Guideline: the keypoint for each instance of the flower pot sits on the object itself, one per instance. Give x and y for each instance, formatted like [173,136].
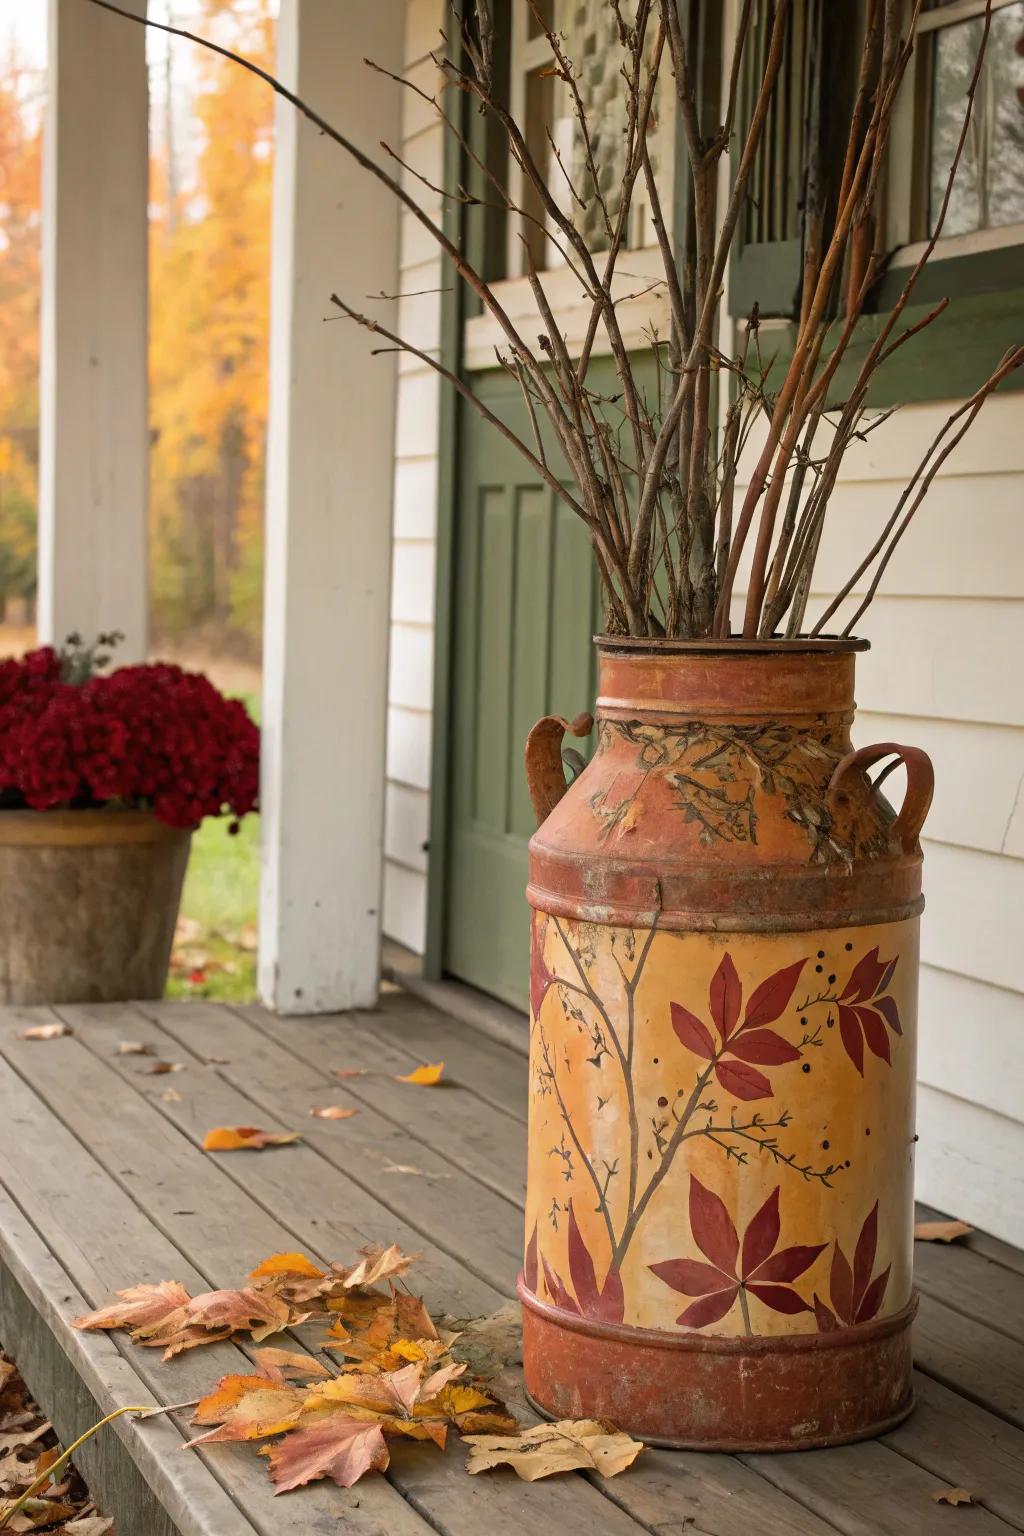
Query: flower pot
[88,903]
[723,996]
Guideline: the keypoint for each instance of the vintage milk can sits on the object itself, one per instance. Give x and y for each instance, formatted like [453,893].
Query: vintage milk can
[723,995]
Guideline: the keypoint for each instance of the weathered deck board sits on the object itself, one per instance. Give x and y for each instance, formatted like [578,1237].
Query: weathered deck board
[103,1182]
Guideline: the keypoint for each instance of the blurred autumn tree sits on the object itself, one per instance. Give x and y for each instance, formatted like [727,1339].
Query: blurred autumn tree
[20,163]
[210,255]
[210,186]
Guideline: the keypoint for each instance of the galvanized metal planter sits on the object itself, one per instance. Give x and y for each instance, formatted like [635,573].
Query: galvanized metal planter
[723,1002]
[88,904]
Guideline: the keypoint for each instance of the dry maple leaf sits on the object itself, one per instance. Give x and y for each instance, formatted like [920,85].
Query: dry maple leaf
[216,1315]
[90,1525]
[292,1276]
[412,1317]
[161,1068]
[952,1496]
[286,1264]
[592,1444]
[44,1032]
[37,1514]
[339,1448]
[940,1231]
[332,1112]
[386,1393]
[140,1306]
[427,1076]
[247,1408]
[217,1061]
[377,1263]
[245,1138]
[344,1072]
[285,1365]
[133,1048]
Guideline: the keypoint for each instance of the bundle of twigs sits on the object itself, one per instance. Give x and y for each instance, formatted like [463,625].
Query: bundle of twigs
[658,483]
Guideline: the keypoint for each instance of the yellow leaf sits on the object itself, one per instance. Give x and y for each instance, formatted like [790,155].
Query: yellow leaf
[940,1231]
[952,1496]
[462,1399]
[240,1138]
[425,1077]
[286,1264]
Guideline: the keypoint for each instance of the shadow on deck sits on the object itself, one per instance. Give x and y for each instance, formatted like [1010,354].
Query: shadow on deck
[103,1183]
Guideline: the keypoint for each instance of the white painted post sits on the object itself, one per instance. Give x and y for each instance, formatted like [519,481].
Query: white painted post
[94,446]
[328,537]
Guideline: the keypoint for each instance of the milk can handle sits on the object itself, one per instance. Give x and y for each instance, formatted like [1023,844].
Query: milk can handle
[545,775]
[920,784]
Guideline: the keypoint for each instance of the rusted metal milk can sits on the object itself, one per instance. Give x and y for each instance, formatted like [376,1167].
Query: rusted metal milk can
[722,1060]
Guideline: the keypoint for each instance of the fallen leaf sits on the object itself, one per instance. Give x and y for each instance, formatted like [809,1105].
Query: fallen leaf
[217,1061]
[344,1072]
[592,1444]
[133,1048]
[292,1276]
[488,1344]
[952,1495]
[171,1096]
[331,1112]
[90,1525]
[426,1076]
[377,1263]
[412,1317]
[247,1408]
[44,1032]
[37,1513]
[284,1365]
[241,1138]
[940,1231]
[140,1306]
[160,1068]
[339,1448]
[385,1393]
[286,1264]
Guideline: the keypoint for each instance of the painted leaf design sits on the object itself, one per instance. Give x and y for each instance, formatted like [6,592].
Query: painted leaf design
[864,1256]
[825,1319]
[765,1047]
[725,997]
[612,1305]
[607,1303]
[710,1309]
[853,1036]
[874,1032]
[742,1081]
[557,1289]
[889,1011]
[530,1263]
[779,1297]
[540,977]
[789,1263]
[712,1227]
[762,1234]
[690,1277]
[886,981]
[691,1033]
[865,977]
[873,1296]
[841,1286]
[770,1000]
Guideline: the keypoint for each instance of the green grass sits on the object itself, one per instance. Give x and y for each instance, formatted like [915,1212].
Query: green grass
[215,950]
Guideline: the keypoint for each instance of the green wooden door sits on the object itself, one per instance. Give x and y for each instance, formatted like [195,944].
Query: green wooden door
[525,609]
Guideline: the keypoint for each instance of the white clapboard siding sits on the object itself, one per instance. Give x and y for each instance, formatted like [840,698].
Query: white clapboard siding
[410,688]
[968,1032]
[969,1162]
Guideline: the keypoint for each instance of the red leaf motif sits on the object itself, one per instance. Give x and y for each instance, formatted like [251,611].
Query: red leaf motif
[853,1038]
[874,1032]
[771,998]
[540,977]
[825,1319]
[840,1286]
[762,1234]
[864,1257]
[790,1263]
[712,1227]
[691,1278]
[709,1309]
[691,1032]
[725,997]
[889,1011]
[864,977]
[559,1295]
[886,981]
[765,1047]
[612,1303]
[581,1268]
[530,1263]
[779,1297]
[873,1296]
[741,1081]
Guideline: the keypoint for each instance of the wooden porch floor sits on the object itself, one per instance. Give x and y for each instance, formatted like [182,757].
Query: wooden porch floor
[103,1183]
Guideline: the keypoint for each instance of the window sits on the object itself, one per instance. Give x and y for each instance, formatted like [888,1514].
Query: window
[544,105]
[986,208]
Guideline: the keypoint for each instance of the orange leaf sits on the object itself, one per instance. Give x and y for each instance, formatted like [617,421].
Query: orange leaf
[332,1112]
[240,1138]
[283,1365]
[140,1305]
[952,1496]
[377,1264]
[247,1408]
[342,1449]
[286,1264]
[427,1076]
[940,1231]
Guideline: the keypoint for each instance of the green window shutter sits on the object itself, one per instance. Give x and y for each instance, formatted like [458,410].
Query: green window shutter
[768,254]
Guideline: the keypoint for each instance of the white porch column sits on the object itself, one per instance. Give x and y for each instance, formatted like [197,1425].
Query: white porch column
[94,449]
[329,481]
